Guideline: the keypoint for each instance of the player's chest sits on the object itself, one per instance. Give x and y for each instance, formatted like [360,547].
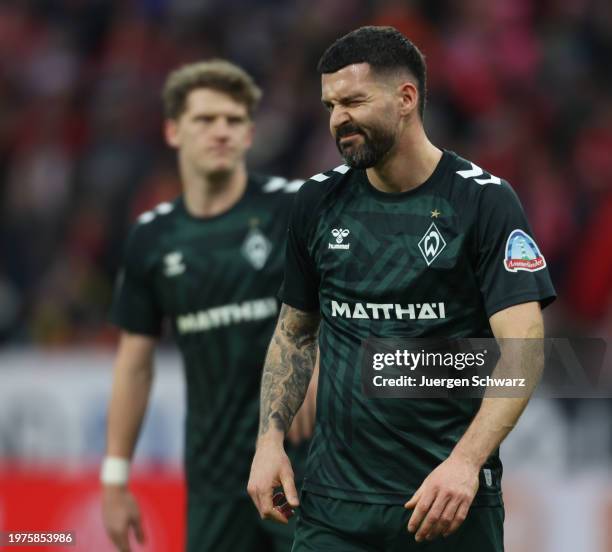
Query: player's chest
[422,237]
[208,265]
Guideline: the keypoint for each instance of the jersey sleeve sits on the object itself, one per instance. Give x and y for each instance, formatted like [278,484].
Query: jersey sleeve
[135,307]
[300,287]
[510,267]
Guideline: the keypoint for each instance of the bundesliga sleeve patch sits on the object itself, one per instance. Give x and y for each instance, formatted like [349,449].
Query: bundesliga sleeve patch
[522,253]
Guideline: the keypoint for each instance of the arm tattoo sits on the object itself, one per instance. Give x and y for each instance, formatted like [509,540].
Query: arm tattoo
[288,368]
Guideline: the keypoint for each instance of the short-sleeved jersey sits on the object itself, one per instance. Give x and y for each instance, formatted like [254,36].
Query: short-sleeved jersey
[215,279]
[436,261]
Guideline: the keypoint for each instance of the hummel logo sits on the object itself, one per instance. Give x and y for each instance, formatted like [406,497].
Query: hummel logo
[174,264]
[340,234]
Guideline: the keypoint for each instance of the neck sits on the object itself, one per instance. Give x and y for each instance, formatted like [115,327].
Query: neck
[212,194]
[408,165]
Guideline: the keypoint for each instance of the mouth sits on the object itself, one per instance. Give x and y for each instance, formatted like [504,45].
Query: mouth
[348,132]
[349,140]
[350,136]
[220,150]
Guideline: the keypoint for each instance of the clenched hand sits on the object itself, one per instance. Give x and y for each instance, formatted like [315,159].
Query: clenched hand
[271,468]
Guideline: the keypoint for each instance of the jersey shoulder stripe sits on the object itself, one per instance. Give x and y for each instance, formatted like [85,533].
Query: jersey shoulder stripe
[322,177]
[478,175]
[159,210]
[281,184]
[323,182]
[478,182]
[320,192]
[148,226]
[472,174]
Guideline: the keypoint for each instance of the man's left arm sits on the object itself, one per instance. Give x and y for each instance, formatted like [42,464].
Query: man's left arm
[443,500]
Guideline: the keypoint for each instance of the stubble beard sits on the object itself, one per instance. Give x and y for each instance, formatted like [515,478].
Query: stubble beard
[219,177]
[220,174]
[373,150]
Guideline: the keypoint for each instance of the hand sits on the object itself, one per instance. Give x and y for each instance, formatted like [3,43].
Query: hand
[271,468]
[120,513]
[443,500]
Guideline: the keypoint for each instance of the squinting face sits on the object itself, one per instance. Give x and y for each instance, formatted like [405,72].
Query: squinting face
[363,114]
[212,134]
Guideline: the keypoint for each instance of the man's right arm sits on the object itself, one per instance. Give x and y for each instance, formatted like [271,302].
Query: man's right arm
[302,427]
[287,371]
[132,378]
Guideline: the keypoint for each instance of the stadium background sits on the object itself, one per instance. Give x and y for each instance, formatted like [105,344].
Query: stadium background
[522,87]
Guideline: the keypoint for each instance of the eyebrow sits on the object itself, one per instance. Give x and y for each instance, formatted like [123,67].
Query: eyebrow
[345,99]
[202,114]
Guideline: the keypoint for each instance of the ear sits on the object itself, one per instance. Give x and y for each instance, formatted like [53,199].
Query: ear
[171,133]
[408,95]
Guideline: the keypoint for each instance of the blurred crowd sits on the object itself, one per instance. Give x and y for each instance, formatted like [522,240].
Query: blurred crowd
[522,87]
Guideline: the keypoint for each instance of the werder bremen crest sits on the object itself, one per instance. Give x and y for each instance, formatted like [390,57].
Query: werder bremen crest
[256,247]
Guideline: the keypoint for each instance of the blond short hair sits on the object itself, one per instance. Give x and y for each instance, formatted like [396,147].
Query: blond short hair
[217,74]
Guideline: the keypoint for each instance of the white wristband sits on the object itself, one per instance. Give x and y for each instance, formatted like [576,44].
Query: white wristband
[115,471]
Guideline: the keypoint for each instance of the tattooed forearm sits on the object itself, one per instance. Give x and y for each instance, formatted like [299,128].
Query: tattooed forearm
[289,364]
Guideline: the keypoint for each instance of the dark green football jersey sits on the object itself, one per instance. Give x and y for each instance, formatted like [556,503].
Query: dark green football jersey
[215,279]
[435,261]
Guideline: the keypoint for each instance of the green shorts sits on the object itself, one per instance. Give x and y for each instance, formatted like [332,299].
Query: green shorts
[328,524]
[232,526]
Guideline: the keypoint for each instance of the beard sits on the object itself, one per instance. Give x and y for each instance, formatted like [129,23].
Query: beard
[220,172]
[220,175]
[376,144]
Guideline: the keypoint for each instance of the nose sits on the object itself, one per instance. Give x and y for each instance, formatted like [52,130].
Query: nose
[221,128]
[338,117]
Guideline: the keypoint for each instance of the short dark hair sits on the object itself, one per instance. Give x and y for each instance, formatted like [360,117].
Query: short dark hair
[216,74]
[384,49]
